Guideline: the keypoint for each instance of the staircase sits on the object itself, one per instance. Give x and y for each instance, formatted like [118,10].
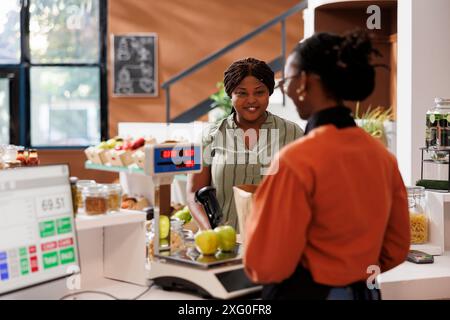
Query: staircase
[277,64]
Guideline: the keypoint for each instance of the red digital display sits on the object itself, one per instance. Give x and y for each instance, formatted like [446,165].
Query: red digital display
[167,154]
[189,153]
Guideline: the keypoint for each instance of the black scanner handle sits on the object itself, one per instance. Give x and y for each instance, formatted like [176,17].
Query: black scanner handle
[207,197]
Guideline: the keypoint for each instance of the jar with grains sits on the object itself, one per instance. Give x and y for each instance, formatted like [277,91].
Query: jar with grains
[79,198]
[417,215]
[95,200]
[114,191]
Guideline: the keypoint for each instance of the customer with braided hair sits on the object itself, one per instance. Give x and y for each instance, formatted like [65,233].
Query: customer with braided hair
[238,149]
[336,206]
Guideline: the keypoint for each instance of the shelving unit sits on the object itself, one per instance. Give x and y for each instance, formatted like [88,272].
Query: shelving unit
[103,167]
[85,222]
[436,162]
[132,169]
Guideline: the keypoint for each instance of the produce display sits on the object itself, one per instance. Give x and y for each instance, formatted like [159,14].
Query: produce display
[119,151]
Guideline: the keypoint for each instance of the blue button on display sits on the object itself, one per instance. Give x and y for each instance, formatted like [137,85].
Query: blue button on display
[4,276]
[3,256]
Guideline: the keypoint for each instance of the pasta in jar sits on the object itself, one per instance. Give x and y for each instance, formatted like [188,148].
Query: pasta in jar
[419,227]
[418,219]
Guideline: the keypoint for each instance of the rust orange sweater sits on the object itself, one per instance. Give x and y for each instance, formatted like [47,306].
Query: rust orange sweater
[336,203]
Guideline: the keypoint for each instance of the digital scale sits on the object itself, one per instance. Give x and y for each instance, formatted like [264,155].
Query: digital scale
[219,276]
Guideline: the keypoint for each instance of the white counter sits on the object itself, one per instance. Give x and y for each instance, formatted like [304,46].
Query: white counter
[126,291]
[418,281]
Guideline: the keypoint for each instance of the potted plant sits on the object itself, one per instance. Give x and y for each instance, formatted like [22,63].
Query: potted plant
[221,107]
[373,121]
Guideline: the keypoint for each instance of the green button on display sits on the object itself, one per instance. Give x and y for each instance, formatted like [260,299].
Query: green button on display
[50,259]
[24,267]
[64,225]
[67,255]
[23,252]
[47,229]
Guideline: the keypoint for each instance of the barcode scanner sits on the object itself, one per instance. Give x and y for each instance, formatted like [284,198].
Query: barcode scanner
[206,196]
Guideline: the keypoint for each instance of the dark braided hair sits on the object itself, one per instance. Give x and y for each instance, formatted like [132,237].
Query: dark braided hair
[342,62]
[240,69]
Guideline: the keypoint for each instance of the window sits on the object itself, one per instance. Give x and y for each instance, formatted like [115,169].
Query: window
[4,111]
[10,32]
[58,50]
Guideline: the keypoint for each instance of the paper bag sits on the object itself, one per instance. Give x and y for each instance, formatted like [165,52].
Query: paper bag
[243,196]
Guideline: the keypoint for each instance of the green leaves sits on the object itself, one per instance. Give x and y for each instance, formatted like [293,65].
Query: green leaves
[221,100]
[372,121]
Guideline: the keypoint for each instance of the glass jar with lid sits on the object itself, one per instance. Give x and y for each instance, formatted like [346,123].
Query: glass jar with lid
[437,134]
[177,241]
[73,189]
[150,240]
[79,198]
[418,217]
[95,199]
[10,153]
[114,191]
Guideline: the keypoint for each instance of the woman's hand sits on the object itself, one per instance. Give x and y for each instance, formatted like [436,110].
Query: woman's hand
[195,182]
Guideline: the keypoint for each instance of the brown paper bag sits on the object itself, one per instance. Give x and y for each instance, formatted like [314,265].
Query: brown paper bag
[243,196]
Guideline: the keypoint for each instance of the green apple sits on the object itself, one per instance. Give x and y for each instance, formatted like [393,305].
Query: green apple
[111,143]
[164,226]
[183,215]
[226,236]
[103,145]
[206,242]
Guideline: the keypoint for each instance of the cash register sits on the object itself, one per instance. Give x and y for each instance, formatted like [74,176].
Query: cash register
[38,245]
[219,276]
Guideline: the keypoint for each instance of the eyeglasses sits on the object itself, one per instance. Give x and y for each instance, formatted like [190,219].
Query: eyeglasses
[283,84]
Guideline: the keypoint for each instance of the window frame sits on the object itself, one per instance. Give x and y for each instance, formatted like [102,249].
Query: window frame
[20,110]
[12,74]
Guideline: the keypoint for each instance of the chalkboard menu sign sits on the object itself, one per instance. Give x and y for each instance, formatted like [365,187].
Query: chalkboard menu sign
[135,65]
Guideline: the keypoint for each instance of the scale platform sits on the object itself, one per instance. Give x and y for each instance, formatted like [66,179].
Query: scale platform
[219,276]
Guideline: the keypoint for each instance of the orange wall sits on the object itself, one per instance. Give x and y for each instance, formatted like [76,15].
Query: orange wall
[187,32]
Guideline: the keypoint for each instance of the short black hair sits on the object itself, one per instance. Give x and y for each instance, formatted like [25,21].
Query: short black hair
[240,69]
[342,62]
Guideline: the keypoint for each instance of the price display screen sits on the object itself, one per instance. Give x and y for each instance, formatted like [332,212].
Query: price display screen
[37,231]
[177,159]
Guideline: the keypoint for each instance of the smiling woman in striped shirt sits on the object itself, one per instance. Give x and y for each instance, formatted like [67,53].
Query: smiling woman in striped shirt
[239,149]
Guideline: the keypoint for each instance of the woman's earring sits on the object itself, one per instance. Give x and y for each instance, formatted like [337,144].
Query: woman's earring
[301,98]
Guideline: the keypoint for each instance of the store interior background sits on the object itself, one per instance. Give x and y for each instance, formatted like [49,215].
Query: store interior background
[206,26]
[209,26]
[422,49]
